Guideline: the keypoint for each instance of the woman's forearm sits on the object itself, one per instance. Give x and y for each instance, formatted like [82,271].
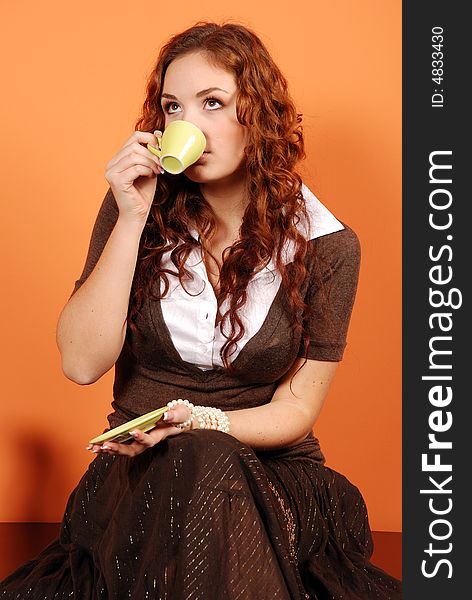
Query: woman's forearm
[92,326]
[289,417]
[273,425]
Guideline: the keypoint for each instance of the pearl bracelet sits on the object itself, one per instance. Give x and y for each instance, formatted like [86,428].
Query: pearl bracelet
[207,417]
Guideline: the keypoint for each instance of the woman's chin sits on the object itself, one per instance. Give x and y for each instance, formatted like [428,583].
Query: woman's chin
[197,174]
[194,178]
[204,174]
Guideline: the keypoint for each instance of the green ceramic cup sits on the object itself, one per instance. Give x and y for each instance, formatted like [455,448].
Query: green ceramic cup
[181,145]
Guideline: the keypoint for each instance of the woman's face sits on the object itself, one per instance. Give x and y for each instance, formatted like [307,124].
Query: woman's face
[195,90]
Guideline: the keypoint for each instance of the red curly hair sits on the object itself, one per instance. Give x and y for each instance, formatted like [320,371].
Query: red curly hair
[275,203]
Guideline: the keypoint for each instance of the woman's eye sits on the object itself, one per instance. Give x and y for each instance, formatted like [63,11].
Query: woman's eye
[212,103]
[171,107]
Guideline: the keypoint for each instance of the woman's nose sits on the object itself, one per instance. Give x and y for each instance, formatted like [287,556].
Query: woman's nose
[191,116]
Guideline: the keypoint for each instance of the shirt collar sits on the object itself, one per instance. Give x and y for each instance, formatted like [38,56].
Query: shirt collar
[320,221]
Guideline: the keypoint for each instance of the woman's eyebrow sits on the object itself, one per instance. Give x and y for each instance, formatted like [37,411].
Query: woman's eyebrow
[198,94]
[209,90]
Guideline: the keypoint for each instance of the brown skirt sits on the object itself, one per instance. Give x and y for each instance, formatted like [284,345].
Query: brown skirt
[201,516]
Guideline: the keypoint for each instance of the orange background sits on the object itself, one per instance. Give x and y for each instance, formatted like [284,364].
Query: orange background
[73,81]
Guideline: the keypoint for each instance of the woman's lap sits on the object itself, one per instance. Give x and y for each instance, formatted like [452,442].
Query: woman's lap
[201,516]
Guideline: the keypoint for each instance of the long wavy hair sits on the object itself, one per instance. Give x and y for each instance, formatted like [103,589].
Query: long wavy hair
[275,203]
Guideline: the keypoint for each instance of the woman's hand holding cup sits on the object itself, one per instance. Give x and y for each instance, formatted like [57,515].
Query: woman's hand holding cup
[132,174]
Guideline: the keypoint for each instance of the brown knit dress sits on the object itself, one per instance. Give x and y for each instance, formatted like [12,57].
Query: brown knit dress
[202,516]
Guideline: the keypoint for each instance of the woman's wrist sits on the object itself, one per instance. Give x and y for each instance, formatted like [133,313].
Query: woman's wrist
[209,417]
[131,223]
[199,417]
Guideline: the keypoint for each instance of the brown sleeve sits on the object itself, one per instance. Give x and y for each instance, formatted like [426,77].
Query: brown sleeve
[331,294]
[104,224]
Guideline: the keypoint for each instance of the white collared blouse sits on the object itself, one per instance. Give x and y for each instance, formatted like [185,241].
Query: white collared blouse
[190,313]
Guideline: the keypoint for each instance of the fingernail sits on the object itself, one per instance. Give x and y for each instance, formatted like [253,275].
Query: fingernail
[166,416]
[105,447]
[133,433]
[89,447]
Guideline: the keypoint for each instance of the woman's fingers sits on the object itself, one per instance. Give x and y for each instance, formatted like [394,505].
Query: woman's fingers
[142,441]
[136,159]
[143,137]
[145,439]
[133,161]
[178,414]
[131,154]
[138,141]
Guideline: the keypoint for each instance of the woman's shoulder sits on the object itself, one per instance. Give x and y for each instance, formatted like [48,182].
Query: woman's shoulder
[336,257]
[332,238]
[342,243]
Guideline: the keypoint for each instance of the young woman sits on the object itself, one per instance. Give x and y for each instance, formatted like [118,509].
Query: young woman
[228,287]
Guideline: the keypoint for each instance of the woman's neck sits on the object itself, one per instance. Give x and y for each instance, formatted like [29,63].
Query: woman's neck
[229,201]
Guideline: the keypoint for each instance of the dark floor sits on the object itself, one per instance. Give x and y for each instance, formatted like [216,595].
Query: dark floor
[20,542]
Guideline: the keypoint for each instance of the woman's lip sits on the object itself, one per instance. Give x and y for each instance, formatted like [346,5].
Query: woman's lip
[200,160]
